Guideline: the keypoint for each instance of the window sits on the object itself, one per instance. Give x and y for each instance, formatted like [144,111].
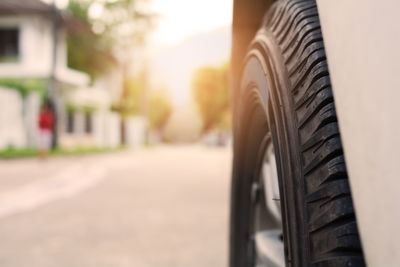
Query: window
[88,122]
[9,39]
[70,121]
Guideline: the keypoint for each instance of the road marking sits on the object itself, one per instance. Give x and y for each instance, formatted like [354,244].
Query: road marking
[68,182]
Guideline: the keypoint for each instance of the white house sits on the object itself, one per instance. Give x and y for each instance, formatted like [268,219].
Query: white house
[26,52]
[26,46]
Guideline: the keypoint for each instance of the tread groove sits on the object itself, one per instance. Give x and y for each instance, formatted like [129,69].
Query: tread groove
[330,218]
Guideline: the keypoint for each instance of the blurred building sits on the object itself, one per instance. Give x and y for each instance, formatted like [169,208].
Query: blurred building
[184,125]
[33,52]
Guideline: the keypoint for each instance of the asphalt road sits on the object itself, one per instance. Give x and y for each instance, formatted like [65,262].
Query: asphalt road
[162,206]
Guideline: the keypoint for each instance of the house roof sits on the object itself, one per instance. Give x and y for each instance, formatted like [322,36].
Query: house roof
[24,6]
[10,7]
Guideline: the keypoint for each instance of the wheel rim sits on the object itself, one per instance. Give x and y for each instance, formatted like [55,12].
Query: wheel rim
[266,238]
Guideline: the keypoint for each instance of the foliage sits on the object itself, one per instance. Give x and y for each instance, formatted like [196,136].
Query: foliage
[122,22]
[133,100]
[87,51]
[129,103]
[210,91]
[13,153]
[87,54]
[160,109]
[79,9]
[86,109]
[120,27]
[25,86]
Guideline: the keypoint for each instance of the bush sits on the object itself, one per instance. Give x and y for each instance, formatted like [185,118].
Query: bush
[25,86]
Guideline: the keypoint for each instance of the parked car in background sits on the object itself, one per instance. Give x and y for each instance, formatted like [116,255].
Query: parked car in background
[316,127]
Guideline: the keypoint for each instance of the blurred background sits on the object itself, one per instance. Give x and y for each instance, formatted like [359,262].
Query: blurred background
[138,165]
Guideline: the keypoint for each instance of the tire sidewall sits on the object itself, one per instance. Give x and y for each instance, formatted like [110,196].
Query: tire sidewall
[273,83]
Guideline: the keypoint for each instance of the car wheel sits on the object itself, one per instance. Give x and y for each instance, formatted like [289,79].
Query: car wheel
[291,202]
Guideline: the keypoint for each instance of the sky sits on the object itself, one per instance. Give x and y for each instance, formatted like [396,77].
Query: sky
[180,19]
[190,34]
[175,65]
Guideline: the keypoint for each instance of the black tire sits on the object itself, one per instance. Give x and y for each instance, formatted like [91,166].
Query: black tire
[286,93]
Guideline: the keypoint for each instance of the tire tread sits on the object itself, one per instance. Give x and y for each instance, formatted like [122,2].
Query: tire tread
[333,234]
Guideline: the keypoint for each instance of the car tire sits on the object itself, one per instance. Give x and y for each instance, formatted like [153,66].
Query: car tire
[285,102]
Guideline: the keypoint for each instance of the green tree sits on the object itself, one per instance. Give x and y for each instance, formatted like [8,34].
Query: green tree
[210,91]
[160,109]
[93,41]
[87,51]
[129,104]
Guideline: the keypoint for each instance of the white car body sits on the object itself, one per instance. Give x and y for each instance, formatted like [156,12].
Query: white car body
[362,41]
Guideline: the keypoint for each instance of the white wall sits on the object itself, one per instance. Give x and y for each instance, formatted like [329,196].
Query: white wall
[12,129]
[107,129]
[135,131]
[112,82]
[31,114]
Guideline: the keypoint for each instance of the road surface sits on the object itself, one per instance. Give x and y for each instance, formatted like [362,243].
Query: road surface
[163,206]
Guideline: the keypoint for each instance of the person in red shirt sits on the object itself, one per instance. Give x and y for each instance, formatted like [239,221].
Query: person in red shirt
[45,123]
